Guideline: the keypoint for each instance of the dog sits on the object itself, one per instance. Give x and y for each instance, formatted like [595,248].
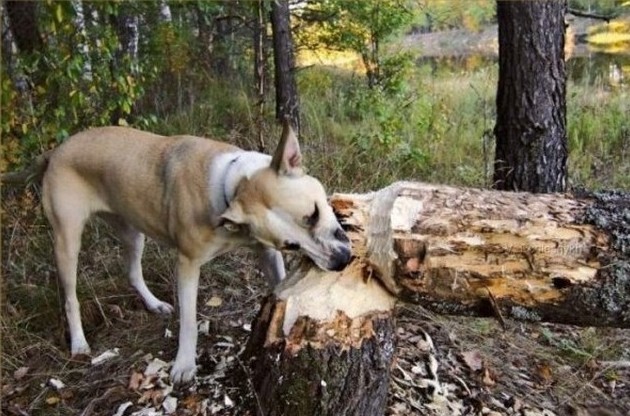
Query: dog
[201,197]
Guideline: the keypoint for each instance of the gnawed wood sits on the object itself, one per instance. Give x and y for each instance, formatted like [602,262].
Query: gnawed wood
[540,256]
[319,341]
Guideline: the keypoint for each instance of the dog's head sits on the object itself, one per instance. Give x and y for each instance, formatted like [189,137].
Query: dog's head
[286,209]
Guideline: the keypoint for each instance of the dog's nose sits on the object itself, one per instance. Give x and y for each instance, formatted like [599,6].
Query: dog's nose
[340,259]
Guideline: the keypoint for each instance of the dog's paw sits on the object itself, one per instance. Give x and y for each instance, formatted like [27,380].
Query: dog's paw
[182,373]
[161,308]
[80,349]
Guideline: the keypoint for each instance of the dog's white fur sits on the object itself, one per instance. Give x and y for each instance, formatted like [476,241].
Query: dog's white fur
[200,196]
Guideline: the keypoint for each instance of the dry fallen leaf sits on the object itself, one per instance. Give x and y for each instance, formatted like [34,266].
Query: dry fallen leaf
[155,366]
[544,373]
[151,396]
[204,327]
[191,402]
[52,400]
[488,378]
[135,380]
[473,359]
[169,404]
[20,373]
[214,302]
[107,355]
[57,384]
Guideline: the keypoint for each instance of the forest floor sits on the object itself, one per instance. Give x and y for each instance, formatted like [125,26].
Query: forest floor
[482,368]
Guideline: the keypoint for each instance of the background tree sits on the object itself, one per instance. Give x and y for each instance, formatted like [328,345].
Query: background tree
[531,137]
[287,101]
[260,65]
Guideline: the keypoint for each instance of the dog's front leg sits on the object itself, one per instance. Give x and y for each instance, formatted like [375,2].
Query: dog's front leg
[272,265]
[185,365]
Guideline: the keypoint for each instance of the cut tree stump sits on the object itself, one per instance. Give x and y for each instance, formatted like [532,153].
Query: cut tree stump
[323,343]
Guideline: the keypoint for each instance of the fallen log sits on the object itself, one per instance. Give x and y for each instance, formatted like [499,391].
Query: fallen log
[323,342]
[541,257]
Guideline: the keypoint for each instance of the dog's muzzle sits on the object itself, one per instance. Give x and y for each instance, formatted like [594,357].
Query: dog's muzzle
[340,259]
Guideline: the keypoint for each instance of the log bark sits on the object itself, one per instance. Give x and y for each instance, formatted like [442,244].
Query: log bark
[323,343]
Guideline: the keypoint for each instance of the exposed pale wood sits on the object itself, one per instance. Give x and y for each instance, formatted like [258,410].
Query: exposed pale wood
[323,345]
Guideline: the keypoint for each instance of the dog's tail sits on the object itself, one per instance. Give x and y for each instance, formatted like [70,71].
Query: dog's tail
[34,172]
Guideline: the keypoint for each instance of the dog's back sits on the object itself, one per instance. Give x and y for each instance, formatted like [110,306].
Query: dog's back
[131,173]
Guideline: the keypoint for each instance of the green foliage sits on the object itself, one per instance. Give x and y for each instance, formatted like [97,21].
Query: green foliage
[448,14]
[51,94]
[363,27]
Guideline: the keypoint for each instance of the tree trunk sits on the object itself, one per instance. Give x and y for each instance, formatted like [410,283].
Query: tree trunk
[126,23]
[260,69]
[287,102]
[531,151]
[23,21]
[82,44]
[9,51]
[323,343]
[221,60]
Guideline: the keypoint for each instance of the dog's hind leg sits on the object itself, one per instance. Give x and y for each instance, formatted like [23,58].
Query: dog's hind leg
[133,246]
[68,219]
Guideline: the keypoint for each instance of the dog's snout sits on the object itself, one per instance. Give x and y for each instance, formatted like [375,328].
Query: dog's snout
[340,259]
[341,236]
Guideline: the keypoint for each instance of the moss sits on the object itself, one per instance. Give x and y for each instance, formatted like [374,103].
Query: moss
[523,314]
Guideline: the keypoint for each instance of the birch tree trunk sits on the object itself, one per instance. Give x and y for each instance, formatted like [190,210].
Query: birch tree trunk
[323,343]
[82,44]
[260,68]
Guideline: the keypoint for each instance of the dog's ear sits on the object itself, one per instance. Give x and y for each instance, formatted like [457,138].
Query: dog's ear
[233,218]
[288,159]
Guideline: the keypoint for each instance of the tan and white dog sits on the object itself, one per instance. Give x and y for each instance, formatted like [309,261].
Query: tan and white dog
[200,196]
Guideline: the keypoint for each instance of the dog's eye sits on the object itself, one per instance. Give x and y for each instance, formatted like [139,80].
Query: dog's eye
[311,220]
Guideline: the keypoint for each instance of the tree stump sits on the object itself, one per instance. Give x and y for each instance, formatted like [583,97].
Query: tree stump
[319,341]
